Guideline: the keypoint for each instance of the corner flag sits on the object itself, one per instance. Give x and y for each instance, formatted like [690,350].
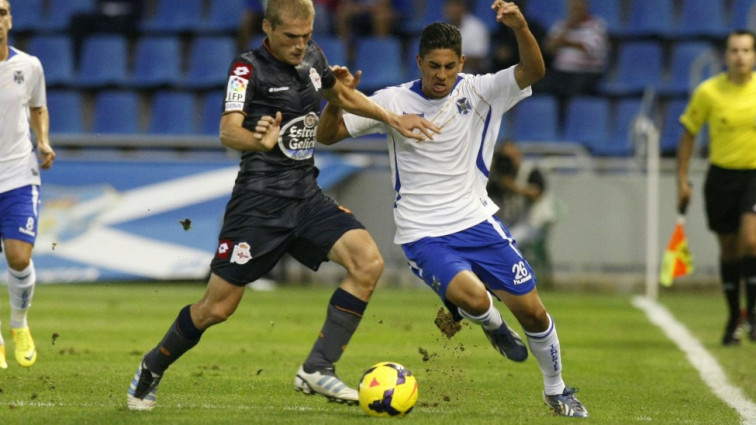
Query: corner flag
[677,260]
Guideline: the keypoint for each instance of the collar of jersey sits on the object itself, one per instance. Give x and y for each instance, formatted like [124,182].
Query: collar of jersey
[417,87]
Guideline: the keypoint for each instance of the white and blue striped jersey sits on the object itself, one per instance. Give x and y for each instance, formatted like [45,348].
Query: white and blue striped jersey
[440,185]
[22,85]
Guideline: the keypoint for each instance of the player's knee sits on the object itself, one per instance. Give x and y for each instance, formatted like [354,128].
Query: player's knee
[534,320]
[18,261]
[369,268]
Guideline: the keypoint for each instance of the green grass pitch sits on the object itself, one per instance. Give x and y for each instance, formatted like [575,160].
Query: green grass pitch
[90,338]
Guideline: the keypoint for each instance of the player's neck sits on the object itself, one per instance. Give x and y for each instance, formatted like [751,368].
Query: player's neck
[740,79]
[4,52]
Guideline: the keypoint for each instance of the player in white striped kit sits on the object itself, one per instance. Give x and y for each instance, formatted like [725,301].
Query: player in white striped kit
[444,218]
[22,103]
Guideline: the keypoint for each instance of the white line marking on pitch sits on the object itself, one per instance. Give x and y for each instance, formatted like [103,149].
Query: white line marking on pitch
[711,372]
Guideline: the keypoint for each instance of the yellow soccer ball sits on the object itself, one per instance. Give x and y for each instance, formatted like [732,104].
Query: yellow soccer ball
[388,389]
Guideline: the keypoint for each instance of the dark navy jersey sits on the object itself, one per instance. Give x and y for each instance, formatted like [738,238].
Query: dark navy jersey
[259,84]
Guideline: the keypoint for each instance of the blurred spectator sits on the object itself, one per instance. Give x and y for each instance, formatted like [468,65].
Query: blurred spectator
[504,50]
[109,16]
[369,18]
[579,46]
[475,35]
[250,24]
[527,208]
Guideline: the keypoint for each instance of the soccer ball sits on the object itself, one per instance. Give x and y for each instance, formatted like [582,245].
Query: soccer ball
[388,389]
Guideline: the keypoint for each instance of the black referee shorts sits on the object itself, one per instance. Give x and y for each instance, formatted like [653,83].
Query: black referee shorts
[728,195]
[259,229]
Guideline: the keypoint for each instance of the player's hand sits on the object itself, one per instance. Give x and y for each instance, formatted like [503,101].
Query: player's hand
[345,77]
[268,130]
[46,155]
[509,14]
[684,191]
[415,127]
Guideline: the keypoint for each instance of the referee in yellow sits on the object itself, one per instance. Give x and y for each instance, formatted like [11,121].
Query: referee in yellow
[727,103]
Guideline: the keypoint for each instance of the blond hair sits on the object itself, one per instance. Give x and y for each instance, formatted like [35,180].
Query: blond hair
[275,10]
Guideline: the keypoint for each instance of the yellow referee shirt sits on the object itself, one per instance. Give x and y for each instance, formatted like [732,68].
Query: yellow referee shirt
[730,112]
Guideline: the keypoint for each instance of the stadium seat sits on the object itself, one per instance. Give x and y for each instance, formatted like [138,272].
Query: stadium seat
[671,127]
[28,16]
[212,104]
[116,112]
[56,54]
[743,15]
[536,119]
[639,65]
[425,13]
[546,12]
[222,16]
[621,141]
[701,18]
[59,13]
[173,113]
[387,71]
[587,121]
[610,11]
[209,60]
[648,18]
[103,62]
[690,63]
[176,16]
[334,49]
[157,62]
[482,9]
[65,108]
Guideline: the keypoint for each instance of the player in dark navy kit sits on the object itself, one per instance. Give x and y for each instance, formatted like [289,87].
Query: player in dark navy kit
[271,115]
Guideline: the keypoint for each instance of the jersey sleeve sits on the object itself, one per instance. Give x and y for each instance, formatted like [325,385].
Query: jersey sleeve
[360,126]
[697,111]
[326,75]
[238,85]
[501,89]
[38,93]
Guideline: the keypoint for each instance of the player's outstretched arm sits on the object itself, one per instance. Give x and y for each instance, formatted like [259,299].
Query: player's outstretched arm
[263,139]
[531,67]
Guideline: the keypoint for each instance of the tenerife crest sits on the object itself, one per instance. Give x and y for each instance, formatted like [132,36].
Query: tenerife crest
[18,77]
[463,106]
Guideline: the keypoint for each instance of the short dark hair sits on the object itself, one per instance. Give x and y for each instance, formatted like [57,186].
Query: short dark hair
[439,35]
[742,32]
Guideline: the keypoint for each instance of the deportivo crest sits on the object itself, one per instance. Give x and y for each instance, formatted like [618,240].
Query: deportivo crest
[241,254]
[463,106]
[18,77]
[297,139]
[315,78]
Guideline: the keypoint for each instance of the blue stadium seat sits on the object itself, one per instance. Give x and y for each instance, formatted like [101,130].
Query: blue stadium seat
[334,49]
[649,18]
[701,18]
[426,12]
[103,62]
[65,108]
[176,16]
[742,15]
[536,119]
[587,121]
[56,54]
[546,12]
[377,74]
[59,12]
[157,62]
[611,12]
[482,9]
[173,113]
[639,65]
[116,112]
[671,127]
[212,104]
[223,16]
[28,16]
[684,55]
[209,60]
[621,141]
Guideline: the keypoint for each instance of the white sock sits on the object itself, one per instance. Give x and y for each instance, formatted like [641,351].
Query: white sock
[21,291]
[490,320]
[545,348]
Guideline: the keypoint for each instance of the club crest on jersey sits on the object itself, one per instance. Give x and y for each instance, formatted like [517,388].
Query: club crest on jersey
[463,106]
[315,78]
[297,140]
[18,77]
[241,254]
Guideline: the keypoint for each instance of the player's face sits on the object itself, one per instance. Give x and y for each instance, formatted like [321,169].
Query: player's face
[5,21]
[439,69]
[740,56]
[288,40]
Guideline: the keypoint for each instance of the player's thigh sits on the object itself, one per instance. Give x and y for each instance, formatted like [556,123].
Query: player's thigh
[356,249]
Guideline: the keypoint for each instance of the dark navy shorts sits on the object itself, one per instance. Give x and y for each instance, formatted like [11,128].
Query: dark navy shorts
[19,213]
[487,249]
[258,229]
[728,194]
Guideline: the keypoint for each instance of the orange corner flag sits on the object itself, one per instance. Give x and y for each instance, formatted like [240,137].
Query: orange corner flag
[677,259]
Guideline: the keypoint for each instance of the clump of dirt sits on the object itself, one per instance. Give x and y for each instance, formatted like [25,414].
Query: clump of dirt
[445,322]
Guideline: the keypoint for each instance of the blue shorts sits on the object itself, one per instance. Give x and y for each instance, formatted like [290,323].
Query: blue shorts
[19,211]
[487,249]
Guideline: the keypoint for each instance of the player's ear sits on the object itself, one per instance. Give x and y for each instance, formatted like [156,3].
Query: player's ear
[267,27]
